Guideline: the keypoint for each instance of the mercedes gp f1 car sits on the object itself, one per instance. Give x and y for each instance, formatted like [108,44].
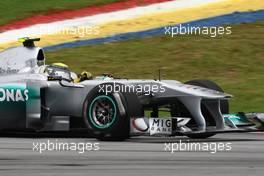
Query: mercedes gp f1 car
[43,97]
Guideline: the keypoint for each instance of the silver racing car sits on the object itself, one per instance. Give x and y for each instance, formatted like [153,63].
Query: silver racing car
[43,97]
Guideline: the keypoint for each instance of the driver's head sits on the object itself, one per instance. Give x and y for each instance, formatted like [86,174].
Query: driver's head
[58,71]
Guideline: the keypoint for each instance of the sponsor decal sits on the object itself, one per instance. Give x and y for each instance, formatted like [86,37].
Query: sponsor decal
[159,126]
[13,95]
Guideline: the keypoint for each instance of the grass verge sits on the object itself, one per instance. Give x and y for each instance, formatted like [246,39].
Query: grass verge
[234,61]
[11,10]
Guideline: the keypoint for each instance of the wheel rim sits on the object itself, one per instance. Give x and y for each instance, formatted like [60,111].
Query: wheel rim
[102,112]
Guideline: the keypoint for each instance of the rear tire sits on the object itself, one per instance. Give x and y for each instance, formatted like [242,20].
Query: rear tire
[224,105]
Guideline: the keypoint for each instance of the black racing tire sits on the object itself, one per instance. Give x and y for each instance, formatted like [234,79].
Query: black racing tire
[224,105]
[118,127]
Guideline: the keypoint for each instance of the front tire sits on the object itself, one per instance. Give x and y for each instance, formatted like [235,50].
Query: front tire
[103,117]
[116,107]
[224,105]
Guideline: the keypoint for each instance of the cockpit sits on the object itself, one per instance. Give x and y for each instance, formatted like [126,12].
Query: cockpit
[55,72]
[29,59]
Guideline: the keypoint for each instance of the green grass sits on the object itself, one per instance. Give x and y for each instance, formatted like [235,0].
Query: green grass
[236,61]
[11,10]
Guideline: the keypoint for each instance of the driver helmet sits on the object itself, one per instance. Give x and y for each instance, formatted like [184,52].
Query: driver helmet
[61,65]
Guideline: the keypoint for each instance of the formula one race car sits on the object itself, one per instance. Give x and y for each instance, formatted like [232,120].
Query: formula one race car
[43,97]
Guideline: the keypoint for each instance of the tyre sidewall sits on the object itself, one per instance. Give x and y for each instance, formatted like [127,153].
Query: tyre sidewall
[119,129]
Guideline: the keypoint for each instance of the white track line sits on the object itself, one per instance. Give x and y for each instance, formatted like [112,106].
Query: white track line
[53,27]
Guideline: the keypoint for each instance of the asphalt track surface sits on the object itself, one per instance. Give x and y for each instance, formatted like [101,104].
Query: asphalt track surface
[137,156]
